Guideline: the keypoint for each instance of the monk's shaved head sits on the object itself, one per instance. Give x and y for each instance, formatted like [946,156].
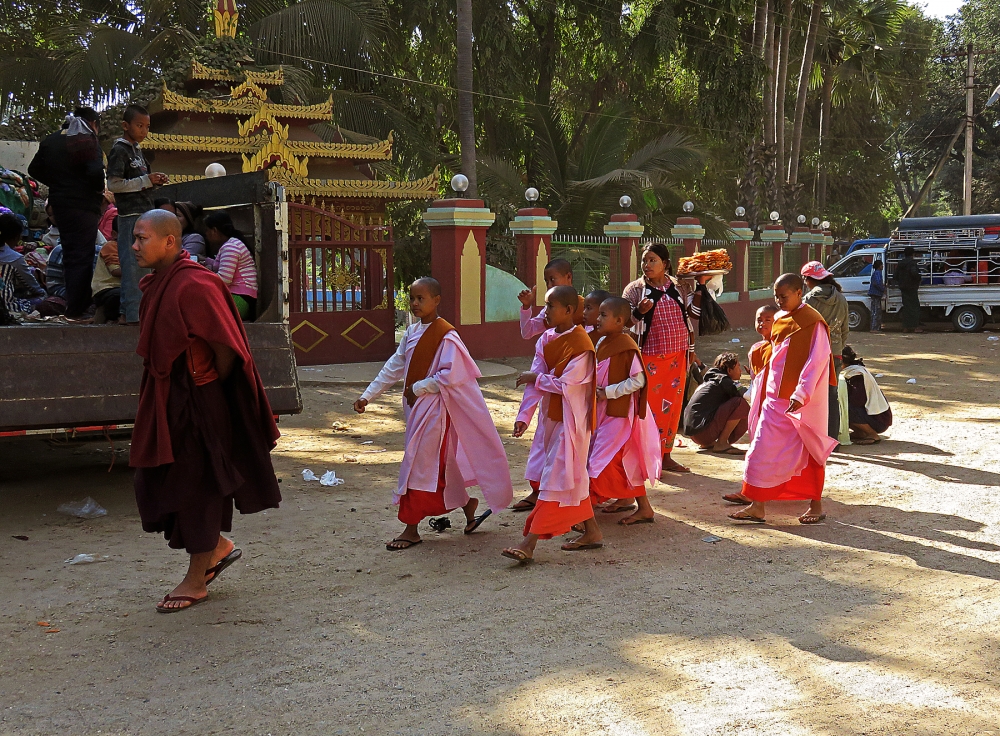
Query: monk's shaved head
[789,281]
[618,307]
[433,286]
[560,266]
[565,295]
[164,223]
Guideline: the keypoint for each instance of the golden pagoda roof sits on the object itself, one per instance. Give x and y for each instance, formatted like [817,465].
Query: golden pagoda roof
[377,151]
[426,188]
[264,79]
[248,105]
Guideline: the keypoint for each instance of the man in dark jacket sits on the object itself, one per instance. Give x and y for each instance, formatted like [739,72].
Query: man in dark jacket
[717,414]
[71,164]
[907,278]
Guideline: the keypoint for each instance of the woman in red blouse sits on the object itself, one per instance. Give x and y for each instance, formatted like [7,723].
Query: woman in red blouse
[661,307]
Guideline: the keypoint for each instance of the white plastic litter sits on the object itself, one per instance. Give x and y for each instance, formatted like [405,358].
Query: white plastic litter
[912,380]
[330,479]
[735,339]
[711,539]
[993,337]
[879,375]
[88,508]
[86,559]
[368,442]
[307,474]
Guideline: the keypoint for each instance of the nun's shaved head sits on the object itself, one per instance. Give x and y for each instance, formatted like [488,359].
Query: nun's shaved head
[789,281]
[163,223]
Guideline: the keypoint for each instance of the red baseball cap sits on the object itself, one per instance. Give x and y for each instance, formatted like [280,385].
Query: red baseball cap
[814,270]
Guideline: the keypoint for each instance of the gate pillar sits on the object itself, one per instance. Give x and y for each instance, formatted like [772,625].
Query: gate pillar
[458,257]
[626,229]
[533,230]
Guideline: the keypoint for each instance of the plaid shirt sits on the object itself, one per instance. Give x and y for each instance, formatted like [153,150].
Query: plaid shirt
[669,331]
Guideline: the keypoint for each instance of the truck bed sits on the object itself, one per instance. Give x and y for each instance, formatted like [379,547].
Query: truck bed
[54,377]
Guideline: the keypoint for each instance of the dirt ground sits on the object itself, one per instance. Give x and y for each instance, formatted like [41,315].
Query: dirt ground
[883,620]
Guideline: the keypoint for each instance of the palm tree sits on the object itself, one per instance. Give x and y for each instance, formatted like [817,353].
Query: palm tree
[581,184]
[101,51]
[466,113]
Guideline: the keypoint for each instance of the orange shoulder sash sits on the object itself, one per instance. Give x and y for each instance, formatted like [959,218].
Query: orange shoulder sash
[558,354]
[620,349]
[423,356]
[798,328]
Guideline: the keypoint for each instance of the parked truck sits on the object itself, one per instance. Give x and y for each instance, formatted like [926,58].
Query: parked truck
[86,378]
[959,259]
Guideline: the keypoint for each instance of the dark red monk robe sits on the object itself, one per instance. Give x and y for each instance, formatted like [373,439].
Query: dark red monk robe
[198,447]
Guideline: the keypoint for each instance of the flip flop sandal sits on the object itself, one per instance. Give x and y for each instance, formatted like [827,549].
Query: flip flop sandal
[677,469]
[222,564]
[192,602]
[574,547]
[866,441]
[748,519]
[736,498]
[518,507]
[477,521]
[814,518]
[408,542]
[618,509]
[516,554]
[626,522]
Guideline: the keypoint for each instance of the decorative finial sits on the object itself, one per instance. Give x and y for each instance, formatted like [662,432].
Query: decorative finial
[625,202]
[531,194]
[774,216]
[815,221]
[214,170]
[688,206]
[825,224]
[226,17]
[801,219]
[741,212]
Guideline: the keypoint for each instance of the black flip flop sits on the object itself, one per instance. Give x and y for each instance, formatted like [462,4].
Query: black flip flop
[618,509]
[477,521]
[748,519]
[517,506]
[171,598]
[735,498]
[223,564]
[409,543]
[579,547]
[626,522]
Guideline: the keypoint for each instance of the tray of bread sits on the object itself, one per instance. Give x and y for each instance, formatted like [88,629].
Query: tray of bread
[705,263]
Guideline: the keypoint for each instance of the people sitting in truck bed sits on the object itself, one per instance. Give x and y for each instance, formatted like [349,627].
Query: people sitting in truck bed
[232,262]
[20,291]
[868,412]
[191,240]
[107,281]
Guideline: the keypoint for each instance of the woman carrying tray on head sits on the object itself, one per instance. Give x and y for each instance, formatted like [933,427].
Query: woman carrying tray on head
[663,312]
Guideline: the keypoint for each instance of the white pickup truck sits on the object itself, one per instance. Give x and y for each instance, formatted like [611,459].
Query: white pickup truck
[959,259]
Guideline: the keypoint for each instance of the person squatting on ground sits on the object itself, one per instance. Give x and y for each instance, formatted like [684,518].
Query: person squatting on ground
[824,294]
[717,414]
[789,443]
[204,428]
[868,411]
[557,272]
[132,183]
[666,338]
[71,163]
[563,371]
[625,451]
[451,442]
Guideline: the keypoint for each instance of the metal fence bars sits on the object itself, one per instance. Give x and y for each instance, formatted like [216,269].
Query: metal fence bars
[337,265]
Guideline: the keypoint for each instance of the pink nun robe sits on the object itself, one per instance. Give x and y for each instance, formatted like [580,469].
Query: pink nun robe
[449,409]
[532,326]
[625,452]
[788,453]
[560,448]
[529,402]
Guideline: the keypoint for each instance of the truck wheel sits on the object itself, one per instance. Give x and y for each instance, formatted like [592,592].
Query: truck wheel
[859,319]
[968,319]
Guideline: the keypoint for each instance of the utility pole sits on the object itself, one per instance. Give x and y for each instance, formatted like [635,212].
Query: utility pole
[970,83]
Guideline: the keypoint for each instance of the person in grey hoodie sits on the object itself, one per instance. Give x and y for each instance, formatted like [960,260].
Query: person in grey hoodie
[824,295]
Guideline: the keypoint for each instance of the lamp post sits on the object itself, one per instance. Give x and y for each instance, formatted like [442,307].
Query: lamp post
[533,228]
[688,230]
[626,229]
[741,253]
[774,233]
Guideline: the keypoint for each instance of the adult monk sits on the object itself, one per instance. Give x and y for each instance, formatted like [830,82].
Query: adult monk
[788,419]
[204,429]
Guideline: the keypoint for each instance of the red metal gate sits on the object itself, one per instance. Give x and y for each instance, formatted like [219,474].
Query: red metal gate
[342,308]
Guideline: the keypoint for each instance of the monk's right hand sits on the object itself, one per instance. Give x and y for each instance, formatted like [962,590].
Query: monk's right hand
[525,378]
[645,305]
[527,297]
[359,405]
[519,428]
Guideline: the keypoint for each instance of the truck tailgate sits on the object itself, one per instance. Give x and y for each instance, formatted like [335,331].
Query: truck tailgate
[89,375]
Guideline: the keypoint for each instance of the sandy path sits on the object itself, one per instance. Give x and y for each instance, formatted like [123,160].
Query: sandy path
[883,620]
